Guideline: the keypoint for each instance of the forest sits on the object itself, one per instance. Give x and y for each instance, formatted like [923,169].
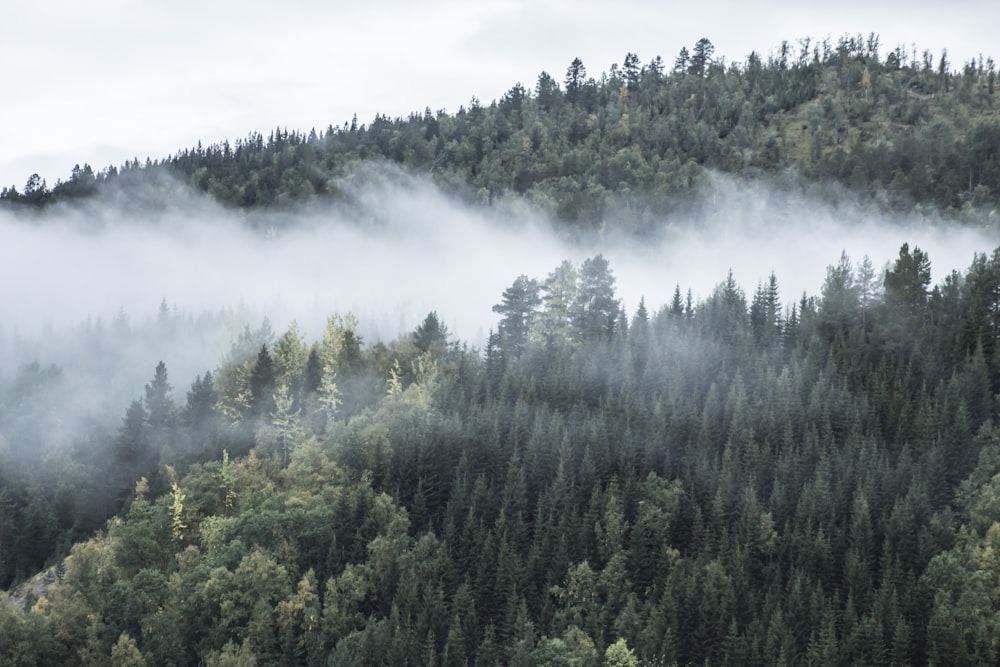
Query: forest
[745,477]
[906,131]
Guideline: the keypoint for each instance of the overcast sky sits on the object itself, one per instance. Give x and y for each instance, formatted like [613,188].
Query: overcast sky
[107,80]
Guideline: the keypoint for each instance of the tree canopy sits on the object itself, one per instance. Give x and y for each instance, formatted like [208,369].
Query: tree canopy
[627,146]
[729,481]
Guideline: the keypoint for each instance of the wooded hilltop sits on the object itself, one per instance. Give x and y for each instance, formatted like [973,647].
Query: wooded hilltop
[899,128]
[748,478]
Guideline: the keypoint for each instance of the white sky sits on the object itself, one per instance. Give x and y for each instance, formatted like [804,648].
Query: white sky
[107,80]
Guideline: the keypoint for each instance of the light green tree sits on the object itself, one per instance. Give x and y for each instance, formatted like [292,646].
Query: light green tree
[227,483]
[620,655]
[286,423]
[337,328]
[559,294]
[290,354]
[177,523]
[125,653]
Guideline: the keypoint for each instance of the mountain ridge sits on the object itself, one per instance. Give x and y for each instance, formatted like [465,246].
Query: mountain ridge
[899,130]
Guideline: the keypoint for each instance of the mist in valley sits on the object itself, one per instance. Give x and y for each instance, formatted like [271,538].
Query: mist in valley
[106,291]
[97,296]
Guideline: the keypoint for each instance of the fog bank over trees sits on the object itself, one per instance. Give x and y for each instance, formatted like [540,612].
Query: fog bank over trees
[401,248]
[108,291]
[679,365]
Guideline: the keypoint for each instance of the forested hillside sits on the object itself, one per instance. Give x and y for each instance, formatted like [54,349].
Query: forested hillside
[742,476]
[901,129]
[724,481]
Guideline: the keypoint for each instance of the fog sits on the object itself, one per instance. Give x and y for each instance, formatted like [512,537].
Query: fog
[91,281]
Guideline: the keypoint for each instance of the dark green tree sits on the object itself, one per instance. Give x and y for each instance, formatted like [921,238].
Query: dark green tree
[262,379]
[517,314]
[596,308]
[906,282]
[431,335]
[160,410]
[701,57]
[576,76]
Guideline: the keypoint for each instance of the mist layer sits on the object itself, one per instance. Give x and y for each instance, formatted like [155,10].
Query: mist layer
[402,248]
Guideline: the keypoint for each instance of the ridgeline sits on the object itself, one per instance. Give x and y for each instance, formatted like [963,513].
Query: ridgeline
[726,481]
[901,130]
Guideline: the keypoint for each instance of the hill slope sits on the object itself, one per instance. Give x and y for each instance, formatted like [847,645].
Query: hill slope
[717,481]
[900,130]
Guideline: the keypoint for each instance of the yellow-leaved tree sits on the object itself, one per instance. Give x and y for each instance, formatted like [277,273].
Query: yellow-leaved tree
[177,523]
[338,328]
[290,355]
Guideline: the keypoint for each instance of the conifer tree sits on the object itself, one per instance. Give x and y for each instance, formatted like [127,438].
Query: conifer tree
[517,310]
[131,449]
[596,308]
[262,384]
[159,404]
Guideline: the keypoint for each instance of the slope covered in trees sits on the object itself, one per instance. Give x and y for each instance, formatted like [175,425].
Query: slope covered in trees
[900,128]
[724,481]
[728,480]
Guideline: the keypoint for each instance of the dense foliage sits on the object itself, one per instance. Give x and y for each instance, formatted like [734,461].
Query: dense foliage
[901,129]
[726,481]
[721,482]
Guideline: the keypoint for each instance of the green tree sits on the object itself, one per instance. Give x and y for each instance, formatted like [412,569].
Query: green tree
[131,449]
[906,282]
[290,357]
[596,308]
[177,498]
[262,384]
[159,405]
[559,296]
[701,57]
[576,76]
[201,401]
[125,653]
[431,335]
[840,300]
[547,93]
[286,422]
[619,654]
[299,623]
[517,314]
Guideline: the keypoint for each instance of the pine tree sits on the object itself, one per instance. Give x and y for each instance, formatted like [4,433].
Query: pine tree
[201,400]
[517,310]
[431,335]
[131,449]
[262,384]
[595,310]
[159,404]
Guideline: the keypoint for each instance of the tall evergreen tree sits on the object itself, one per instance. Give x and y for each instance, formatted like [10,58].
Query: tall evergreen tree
[159,404]
[517,310]
[431,335]
[131,452]
[262,383]
[596,308]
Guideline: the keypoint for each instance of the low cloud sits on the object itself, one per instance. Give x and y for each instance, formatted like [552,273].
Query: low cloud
[399,249]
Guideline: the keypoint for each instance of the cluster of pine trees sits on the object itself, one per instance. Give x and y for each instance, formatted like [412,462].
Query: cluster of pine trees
[623,148]
[729,481]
